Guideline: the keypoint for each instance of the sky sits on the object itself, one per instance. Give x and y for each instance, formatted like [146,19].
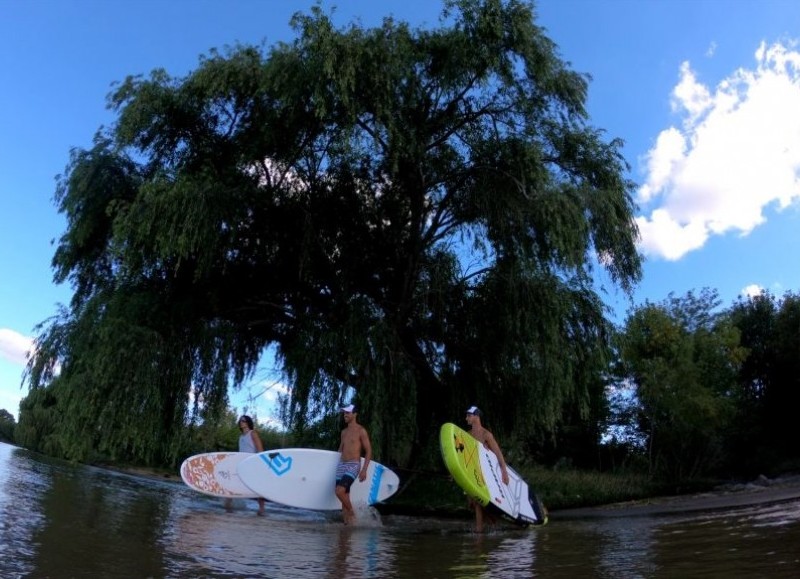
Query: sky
[705,95]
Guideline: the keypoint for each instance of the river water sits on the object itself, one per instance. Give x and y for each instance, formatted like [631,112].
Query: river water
[61,520]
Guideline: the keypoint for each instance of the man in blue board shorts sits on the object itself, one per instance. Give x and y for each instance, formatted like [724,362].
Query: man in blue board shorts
[354,442]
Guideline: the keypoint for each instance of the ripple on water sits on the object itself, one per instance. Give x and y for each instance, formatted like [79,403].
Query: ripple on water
[61,520]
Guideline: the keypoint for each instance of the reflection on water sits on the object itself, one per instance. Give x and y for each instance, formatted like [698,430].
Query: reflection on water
[60,520]
[290,544]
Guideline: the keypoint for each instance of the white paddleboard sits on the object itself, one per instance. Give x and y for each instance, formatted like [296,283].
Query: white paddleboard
[476,469]
[305,478]
[216,474]
[514,500]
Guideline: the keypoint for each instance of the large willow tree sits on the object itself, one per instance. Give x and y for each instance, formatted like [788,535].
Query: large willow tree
[412,215]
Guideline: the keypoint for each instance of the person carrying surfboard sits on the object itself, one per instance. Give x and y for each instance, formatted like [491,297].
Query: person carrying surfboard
[250,441]
[354,442]
[486,438]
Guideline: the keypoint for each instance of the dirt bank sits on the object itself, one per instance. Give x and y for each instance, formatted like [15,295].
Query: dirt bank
[144,472]
[762,491]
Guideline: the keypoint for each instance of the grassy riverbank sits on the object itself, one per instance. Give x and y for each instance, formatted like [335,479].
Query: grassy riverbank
[436,494]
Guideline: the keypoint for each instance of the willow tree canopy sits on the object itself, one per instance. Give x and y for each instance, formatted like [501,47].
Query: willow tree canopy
[412,214]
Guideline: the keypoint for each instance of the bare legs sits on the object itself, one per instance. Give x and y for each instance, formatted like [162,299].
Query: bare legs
[348,514]
[229,506]
[478,518]
[481,517]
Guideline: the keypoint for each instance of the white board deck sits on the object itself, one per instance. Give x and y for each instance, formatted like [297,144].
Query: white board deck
[305,478]
[216,474]
[513,500]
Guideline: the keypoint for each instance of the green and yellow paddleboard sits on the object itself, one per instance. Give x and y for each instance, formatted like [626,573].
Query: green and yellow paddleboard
[477,471]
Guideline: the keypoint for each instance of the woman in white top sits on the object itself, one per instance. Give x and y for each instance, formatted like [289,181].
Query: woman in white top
[249,441]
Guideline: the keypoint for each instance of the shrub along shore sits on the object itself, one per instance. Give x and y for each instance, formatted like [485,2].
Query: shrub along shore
[436,494]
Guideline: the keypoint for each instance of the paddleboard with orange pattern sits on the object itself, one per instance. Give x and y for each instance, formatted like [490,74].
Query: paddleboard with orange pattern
[216,474]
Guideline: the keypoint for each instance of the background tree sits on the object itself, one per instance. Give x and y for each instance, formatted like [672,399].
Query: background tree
[783,392]
[683,356]
[222,433]
[577,440]
[7,426]
[39,421]
[624,444]
[769,387]
[410,215]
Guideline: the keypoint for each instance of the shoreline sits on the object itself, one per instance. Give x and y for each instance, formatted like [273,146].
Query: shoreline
[762,491]
[163,475]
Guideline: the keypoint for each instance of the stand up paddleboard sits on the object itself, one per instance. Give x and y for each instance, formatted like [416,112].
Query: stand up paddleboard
[476,470]
[305,478]
[216,474]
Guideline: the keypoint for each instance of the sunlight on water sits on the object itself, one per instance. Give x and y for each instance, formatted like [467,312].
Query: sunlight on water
[22,482]
[61,520]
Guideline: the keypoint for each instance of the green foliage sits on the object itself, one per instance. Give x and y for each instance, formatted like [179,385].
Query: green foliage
[571,488]
[683,358]
[7,426]
[39,421]
[782,397]
[222,433]
[429,494]
[768,392]
[215,433]
[413,215]
[437,494]
[324,434]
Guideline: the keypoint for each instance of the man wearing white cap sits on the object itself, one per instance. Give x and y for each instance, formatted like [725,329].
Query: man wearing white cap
[486,438]
[354,443]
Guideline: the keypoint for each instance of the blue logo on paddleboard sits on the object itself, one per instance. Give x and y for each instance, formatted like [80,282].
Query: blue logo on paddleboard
[375,484]
[278,464]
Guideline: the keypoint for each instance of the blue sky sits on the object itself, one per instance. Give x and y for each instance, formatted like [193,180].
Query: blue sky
[705,94]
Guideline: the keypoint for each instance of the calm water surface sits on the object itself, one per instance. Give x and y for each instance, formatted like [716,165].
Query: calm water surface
[60,520]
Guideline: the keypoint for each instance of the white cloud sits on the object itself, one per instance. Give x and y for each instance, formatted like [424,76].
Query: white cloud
[736,152]
[14,347]
[269,392]
[261,399]
[752,290]
[690,96]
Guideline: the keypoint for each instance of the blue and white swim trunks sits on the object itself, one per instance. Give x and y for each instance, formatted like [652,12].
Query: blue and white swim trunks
[346,473]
